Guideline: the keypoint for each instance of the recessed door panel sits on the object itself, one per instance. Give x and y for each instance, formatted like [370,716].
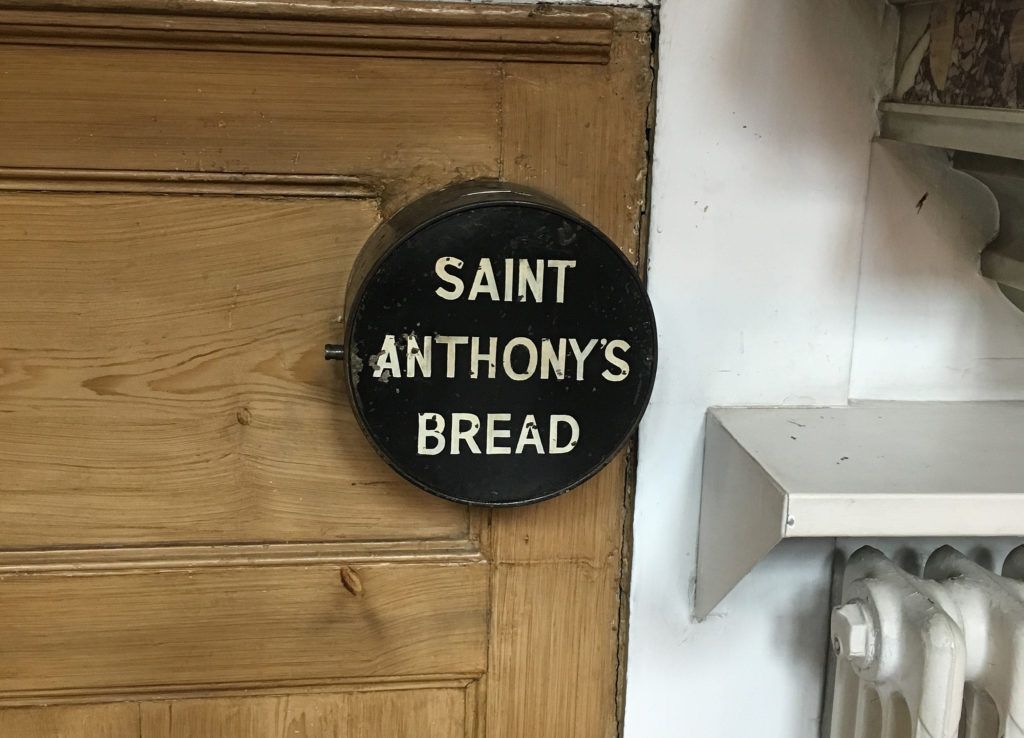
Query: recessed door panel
[163,379]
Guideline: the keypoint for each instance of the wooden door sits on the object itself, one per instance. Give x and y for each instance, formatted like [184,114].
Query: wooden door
[195,539]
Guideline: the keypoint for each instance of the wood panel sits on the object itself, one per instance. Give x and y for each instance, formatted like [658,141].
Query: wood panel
[219,627]
[436,712]
[553,664]
[579,132]
[558,566]
[99,108]
[162,376]
[442,31]
[422,713]
[119,720]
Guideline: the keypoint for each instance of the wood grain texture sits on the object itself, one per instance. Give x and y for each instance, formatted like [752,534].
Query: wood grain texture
[162,376]
[423,713]
[117,720]
[553,647]
[406,713]
[170,426]
[233,626]
[382,14]
[556,594]
[121,109]
[580,133]
[449,33]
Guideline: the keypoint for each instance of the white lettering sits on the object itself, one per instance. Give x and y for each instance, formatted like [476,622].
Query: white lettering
[475,357]
[531,365]
[441,270]
[387,359]
[550,361]
[436,433]
[534,280]
[467,434]
[417,357]
[450,343]
[494,433]
[560,266]
[581,356]
[574,427]
[464,429]
[619,362]
[484,281]
[529,436]
[525,276]
[509,281]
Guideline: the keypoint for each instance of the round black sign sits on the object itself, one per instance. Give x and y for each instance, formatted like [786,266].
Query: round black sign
[500,349]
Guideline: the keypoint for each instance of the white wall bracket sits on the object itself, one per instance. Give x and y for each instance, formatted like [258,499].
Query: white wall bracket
[989,146]
[871,470]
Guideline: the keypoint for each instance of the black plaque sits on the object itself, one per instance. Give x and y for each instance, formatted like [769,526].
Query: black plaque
[500,349]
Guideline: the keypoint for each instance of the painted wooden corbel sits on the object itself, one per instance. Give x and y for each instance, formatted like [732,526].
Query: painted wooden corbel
[1003,258]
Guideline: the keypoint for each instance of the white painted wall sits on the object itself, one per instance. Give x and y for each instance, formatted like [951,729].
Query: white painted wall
[784,269]
[766,110]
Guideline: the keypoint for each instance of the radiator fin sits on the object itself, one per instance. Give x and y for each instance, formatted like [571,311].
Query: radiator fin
[938,656]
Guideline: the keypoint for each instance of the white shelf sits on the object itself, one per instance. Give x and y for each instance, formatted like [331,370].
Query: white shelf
[893,469]
[993,131]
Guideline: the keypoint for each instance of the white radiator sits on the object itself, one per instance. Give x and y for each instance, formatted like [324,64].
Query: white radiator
[935,657]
